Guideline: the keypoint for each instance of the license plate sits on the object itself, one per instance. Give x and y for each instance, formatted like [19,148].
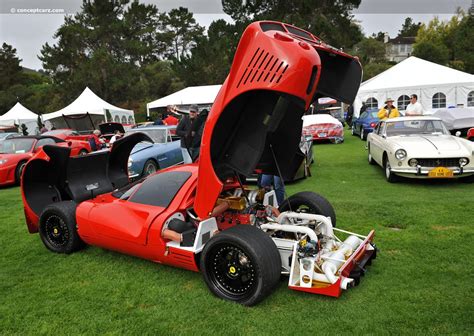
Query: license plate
[321,135]
[440,172]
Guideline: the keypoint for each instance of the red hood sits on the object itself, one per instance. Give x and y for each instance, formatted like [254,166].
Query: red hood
[278,70]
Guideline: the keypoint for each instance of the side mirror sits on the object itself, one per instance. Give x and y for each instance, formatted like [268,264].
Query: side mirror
[458,133]
[69,143]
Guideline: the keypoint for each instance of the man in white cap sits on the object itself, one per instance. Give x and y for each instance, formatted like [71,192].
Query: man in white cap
[388,111]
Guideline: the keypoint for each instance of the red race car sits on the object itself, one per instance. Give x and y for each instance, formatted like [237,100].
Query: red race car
[15,152]
[77,141]
[470,134]
[200,216]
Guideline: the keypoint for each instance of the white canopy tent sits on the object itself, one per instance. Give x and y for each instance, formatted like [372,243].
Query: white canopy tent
[18,115]
[89,103]
[199,95]
[437,86]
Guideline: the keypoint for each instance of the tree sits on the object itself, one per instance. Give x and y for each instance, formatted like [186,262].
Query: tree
[409,29]
[462,43]
[104,47]
[10,69]
[370,50]
[433,52]
[330,20]
[180,28]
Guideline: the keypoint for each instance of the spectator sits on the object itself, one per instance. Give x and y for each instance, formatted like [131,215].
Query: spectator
[388,111]
[116,136]
[24,129]
[184,131]
[414,108]
[170,120]
[98,139]
[350,115]
[196,132]
[363,108]
[159,120]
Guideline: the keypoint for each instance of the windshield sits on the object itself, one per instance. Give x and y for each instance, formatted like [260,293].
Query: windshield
[157,135]
[4,135]
[415,127]
[16,146]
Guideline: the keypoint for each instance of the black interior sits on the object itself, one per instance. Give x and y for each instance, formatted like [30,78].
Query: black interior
[251,126]
[77,178]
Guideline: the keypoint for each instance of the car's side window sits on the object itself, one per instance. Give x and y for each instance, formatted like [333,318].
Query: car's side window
[45,141]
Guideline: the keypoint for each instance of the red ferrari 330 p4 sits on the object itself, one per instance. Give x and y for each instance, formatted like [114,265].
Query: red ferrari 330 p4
[200,216]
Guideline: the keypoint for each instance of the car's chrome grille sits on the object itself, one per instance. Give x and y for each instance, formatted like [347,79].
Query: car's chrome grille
[445,162]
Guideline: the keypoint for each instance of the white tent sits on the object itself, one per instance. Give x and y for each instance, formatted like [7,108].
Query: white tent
[89,102]
[18,115]
[199,95]
[437,86]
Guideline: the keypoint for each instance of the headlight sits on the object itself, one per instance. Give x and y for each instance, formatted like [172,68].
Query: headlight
[3,161]
[463,161]
[400,154]
[413,162]
[130,162]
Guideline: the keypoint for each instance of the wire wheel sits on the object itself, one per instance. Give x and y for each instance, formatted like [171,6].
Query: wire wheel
[56,231]
[232,271]
[150,168]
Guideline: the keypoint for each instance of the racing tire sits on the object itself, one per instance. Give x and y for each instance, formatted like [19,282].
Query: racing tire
[369,156]
[389,175]
[309,202]
[241,264]
[18,170]
[57,228]
[150,167]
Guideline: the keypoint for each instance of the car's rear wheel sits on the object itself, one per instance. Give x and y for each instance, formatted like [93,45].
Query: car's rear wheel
[18,170]
[389,175]
[150,167]
[362,135]
[83,152]
[241,264]
[57,228]
[353,130]
[309,202]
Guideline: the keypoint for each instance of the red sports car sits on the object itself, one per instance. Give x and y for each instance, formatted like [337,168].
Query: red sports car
[470,134]
[323,127]
[77,140]
[199,216]
[15,152]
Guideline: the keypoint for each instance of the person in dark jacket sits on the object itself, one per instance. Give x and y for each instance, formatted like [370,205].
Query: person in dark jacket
[184,131]
[196,132]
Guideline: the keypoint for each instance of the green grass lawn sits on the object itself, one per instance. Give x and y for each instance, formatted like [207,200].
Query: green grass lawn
[421,282]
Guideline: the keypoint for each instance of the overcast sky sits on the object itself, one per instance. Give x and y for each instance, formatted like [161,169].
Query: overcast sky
[28,32]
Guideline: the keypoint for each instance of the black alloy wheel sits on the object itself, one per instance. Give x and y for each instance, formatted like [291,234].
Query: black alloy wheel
[241,264]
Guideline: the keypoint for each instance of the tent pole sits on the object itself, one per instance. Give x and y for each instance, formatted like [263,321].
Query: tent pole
[147,112]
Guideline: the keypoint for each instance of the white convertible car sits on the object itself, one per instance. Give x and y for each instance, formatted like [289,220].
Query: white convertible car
[419,147]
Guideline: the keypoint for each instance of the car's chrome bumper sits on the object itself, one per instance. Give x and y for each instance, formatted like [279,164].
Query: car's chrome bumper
[423,171]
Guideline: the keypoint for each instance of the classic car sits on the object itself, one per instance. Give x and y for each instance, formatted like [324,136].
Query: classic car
[83,142]
[419,147]
[232,234]
[16,151]
[148,157]
[323,127]
[365,124]
[108,130]
[470,134]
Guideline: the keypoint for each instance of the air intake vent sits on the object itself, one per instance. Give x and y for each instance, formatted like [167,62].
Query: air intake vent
[263,67]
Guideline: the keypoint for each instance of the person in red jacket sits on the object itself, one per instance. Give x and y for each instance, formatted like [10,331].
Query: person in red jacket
[170,120]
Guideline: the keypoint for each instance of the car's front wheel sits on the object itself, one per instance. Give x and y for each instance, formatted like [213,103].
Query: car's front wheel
[353,130]
[389,175]
[57,228]
[18,170]
[241,264]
